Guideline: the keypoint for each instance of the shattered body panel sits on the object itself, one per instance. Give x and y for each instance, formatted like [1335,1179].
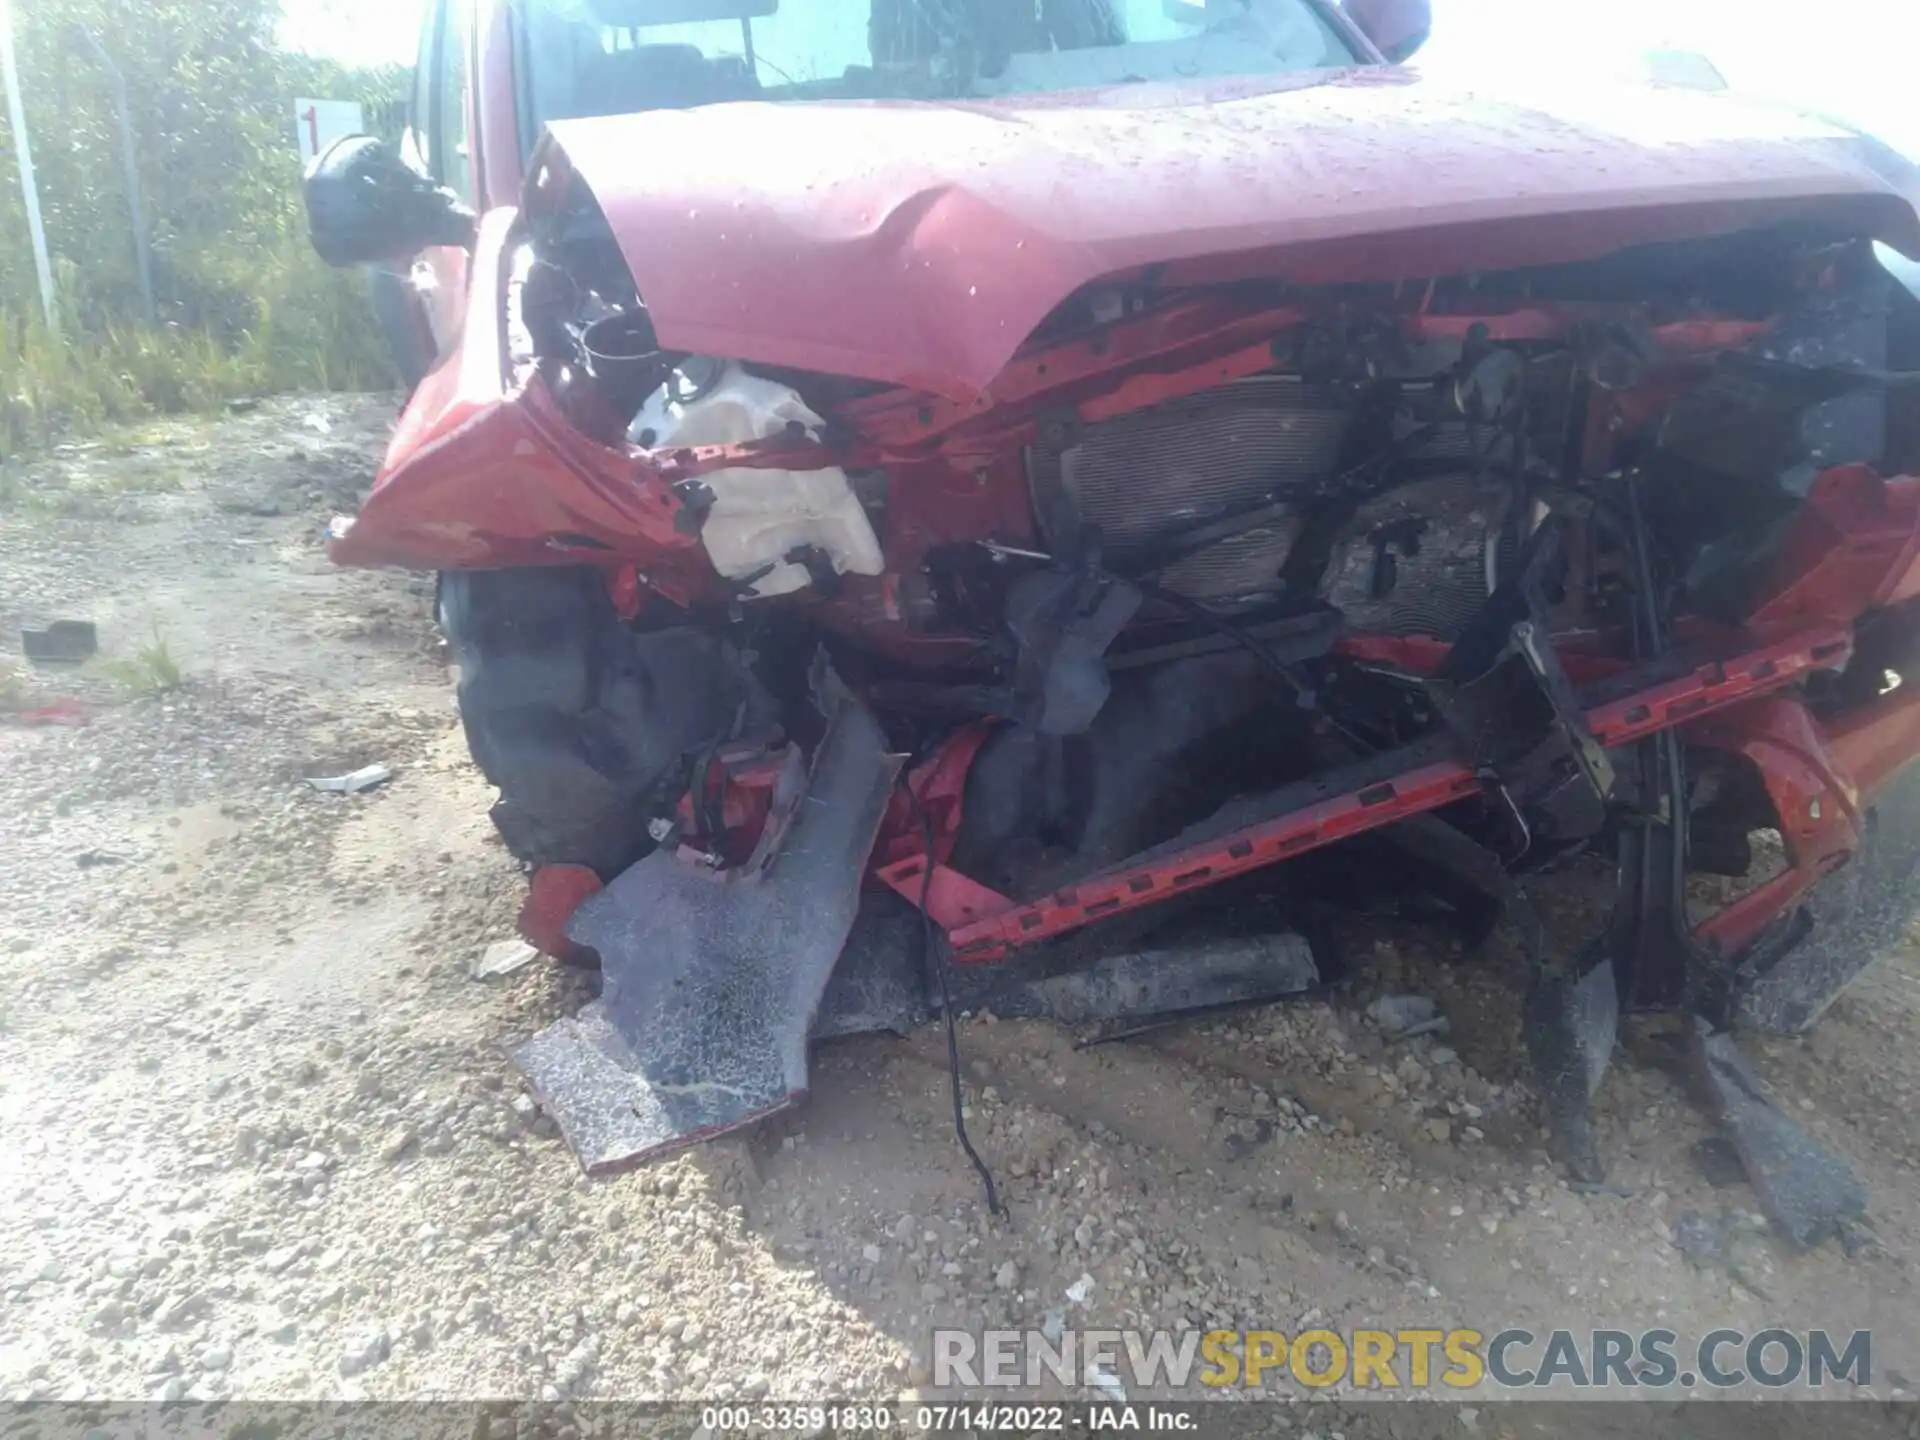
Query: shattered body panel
[713,979]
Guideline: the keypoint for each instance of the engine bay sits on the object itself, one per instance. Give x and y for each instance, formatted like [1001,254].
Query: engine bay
[1360,465]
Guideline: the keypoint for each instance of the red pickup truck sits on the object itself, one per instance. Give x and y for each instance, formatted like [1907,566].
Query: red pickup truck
[950,502]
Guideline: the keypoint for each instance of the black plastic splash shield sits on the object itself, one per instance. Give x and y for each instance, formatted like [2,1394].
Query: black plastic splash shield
[1806,1191]
[881,984]
[711,979]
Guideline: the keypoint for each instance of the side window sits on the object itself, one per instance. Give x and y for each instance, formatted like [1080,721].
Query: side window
[452,150]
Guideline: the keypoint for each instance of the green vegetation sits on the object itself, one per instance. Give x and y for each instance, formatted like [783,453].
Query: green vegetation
[151,671]
[13,689]
[243,306]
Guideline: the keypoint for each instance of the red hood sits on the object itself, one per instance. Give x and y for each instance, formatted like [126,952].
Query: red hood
[920,244]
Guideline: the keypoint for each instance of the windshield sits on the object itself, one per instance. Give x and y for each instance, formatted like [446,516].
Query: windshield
[577,63]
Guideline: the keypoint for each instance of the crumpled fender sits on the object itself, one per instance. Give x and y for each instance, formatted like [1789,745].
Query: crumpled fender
[484,470]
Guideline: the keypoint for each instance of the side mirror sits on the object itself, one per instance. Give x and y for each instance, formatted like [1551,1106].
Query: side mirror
[1397,28]
[365,205]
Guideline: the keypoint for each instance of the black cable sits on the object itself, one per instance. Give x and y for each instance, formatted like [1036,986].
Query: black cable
[1668,760]
[1649,608]
[1305,696]
[936,944]
[1186,605]
[1670,756]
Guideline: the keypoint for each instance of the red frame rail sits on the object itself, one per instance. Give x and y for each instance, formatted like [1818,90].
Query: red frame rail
[983,925]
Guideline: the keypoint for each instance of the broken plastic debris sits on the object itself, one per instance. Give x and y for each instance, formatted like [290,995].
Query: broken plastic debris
[1806,1191]
[365,778]
[1398,1014]
[1080,1290]
[503,957]
[65,711]
[64,642]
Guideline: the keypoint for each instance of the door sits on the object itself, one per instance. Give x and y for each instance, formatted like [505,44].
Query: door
[421,305]
[440,134]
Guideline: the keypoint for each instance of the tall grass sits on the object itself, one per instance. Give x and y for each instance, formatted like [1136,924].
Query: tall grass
[244,307]
[311,329]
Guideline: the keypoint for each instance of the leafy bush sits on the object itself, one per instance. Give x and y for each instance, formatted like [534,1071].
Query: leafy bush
[243,306]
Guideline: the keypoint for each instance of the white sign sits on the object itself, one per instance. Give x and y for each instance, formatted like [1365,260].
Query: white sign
[318,123]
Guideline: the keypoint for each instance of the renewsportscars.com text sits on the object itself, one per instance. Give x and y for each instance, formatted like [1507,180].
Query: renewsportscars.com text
[1445,1361]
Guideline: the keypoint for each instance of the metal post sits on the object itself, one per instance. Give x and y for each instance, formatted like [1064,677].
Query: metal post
[17,118]
[141,253]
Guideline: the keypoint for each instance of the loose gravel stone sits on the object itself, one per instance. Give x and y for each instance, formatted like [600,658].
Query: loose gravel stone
[365,1350]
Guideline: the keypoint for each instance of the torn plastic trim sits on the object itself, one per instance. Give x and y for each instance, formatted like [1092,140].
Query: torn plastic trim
[711,979]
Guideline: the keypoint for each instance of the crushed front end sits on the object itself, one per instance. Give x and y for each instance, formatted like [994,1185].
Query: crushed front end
[1222,592]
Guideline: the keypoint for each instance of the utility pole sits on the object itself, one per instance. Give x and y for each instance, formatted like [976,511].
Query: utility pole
[17,118]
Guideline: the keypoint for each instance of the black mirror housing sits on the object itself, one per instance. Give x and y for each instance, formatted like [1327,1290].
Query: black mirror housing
[365,205]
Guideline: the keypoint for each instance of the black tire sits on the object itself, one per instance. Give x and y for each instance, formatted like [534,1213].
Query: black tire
[583,726]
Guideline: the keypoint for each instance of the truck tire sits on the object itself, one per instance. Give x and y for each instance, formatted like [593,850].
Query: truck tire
[584,726]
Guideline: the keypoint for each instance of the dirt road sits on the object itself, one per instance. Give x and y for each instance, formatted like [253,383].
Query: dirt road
[261,1139]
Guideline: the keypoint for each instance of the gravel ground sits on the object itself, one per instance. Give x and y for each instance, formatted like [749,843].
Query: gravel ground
[261,1139]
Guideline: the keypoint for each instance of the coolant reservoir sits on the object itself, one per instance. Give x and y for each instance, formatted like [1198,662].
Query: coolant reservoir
[759,517]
